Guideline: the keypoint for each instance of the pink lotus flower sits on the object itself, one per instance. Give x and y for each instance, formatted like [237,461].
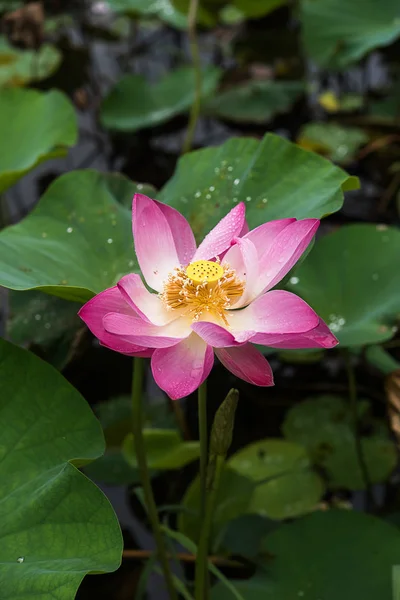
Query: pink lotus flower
[212,299]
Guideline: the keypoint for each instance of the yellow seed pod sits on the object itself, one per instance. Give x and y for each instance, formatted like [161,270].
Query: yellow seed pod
[204,270]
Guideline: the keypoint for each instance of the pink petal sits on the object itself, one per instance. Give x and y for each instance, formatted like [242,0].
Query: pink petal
[245,229]
[242,257]
[154,243]
[214,334]
[92,314]
[276,312]
[181,232]
[264,235]
[140,332]
[285,251]
[247,363]
[219,238]
[320,337]
[149,306]
[181,369]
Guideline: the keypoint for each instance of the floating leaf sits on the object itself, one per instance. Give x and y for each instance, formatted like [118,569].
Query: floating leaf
[338,32]
[336,554]
[162,9]
[45,128]
[165,449]
[324,426]
[255,101]
[69,246]
[56,526]
[332,140]
[135,104]
[356,293]
[20,67]
[286,486]
[274,177]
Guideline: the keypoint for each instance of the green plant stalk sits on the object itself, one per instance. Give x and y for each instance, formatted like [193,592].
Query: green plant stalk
[357,435]
[203,437]
[195,53]
[137,428]
[202,577]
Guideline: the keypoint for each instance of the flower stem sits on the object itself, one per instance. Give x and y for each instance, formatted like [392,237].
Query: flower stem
[137,428]
[203,437]
[356,429]
[194,51]
[201,577]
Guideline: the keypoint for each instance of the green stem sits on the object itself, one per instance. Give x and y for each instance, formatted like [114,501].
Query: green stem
[356,429]
[202,577]
[194,51]
[137,428]
[203,437]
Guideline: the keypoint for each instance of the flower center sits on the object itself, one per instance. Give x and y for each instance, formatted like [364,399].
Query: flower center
[203,271]
[203,289]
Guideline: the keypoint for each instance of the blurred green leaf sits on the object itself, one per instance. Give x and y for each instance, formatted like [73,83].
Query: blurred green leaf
[135,104]
[164,449]
[286,486]
[387,108]
[207,13]
[352,280]
[258,8]
[332,140]
[243,535]
[381,359]
[330,555]
[56,526]
[35,126]
[69,246]
[274,177]
[396,582]
[162,9]
[255,101]
[233,496]
[21,67]
[338,32]
[324,426]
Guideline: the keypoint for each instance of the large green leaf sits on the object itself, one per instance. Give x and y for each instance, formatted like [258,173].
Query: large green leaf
[274,177]
[286,486]
[332,555]
[35,126]
[76,242]
[41,320]
[162,9]
[56,526]
[20,67]
[134,103]
[325,427]
[352,279]
[255,101]
[339,32]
